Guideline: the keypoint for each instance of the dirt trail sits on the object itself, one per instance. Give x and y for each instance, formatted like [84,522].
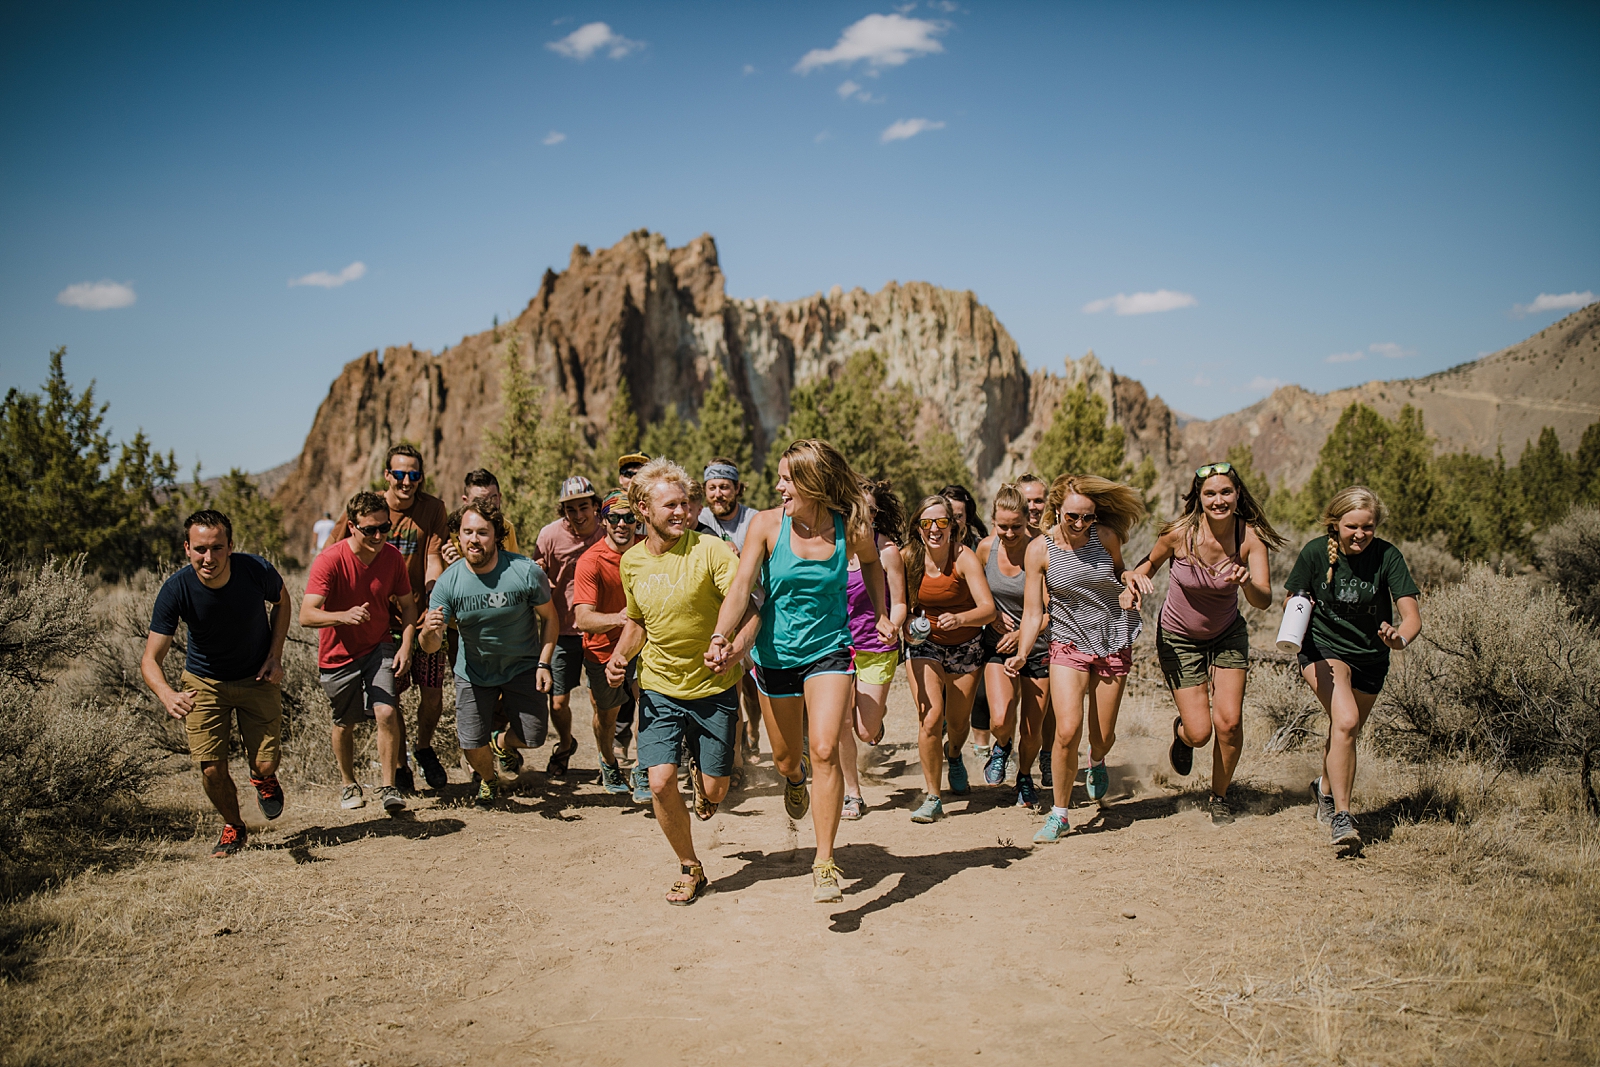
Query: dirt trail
[538,933]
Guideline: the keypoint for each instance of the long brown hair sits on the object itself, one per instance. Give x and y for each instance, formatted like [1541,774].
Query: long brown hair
[915,553]
[1117,507]
[889,518]
[1245,508]
[822,473]
[1351,498]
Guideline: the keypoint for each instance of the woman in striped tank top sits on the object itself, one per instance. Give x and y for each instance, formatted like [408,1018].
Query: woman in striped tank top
[1218,547]
[1093,625]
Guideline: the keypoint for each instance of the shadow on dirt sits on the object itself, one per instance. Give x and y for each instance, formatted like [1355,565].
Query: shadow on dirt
[300,844]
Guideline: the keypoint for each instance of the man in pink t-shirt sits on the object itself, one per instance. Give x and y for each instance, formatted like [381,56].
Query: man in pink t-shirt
[347,597]
[557,550]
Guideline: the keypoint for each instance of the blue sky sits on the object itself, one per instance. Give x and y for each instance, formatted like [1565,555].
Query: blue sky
[1317,194]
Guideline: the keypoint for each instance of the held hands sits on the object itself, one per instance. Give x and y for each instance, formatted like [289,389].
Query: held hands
[180,704]
[271,671]
[886,630]
[719,654]
[1015,664]
[1390,636]
[353,616]
[1135,586]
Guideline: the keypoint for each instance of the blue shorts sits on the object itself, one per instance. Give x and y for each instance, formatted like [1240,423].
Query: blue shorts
[779,682]
[707,726]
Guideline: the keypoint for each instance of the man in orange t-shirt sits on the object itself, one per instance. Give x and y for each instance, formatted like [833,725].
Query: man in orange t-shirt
[600,610]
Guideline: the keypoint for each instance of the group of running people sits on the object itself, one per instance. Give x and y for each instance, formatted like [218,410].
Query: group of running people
[697,620]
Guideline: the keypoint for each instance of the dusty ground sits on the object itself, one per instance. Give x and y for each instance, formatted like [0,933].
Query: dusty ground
[538,934]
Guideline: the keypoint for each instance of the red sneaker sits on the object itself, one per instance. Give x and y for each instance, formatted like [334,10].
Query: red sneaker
[232,840]
[270,795]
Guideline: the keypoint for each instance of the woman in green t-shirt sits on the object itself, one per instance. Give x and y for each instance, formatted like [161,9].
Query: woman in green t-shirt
[1351,575]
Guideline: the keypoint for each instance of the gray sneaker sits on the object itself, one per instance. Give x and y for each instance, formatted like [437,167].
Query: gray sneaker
[1221,811]
[389,796]
[1344,830]
[352,797]
[1324,802]
[796,799]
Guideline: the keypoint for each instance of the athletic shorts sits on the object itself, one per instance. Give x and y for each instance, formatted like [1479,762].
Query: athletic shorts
[1367,673]
[1186,662]
[601,692]
[360,686]
[706,726]
[876,668]
[964,658]
[526,709]
[426,671]
[779,682]
[258,707]
[1038,665]
[1116,665]
[566,667]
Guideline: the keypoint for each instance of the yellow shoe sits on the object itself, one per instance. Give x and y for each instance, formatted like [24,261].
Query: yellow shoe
[825,880]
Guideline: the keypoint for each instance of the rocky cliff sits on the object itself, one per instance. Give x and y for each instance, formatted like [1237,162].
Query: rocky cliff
[660,318]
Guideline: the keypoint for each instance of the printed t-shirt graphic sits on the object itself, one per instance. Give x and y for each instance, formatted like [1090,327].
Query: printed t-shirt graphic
[229,635]
[1347,613]
[500,636]
[676,596]
[343,581]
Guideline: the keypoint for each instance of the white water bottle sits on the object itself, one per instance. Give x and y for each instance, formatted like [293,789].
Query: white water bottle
[919,630]
[1296,617]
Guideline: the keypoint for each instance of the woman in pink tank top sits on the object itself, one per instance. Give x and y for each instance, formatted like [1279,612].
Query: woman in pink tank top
[1217,547]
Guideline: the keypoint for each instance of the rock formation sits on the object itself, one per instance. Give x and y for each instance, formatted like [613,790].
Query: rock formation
[660,318]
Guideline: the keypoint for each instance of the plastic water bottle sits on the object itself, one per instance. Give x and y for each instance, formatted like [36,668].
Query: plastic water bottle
[1296,618]
[919,630]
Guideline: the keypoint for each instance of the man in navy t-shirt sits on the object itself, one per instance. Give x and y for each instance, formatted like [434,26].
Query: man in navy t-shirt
[233,667]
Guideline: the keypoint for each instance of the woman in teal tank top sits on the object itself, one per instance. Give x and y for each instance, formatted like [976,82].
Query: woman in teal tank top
[804,669]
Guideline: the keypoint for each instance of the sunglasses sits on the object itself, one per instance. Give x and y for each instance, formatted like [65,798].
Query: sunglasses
[1213,468]
[619,518]
[1075,519]
[379,530]
[929,524]
[405,476]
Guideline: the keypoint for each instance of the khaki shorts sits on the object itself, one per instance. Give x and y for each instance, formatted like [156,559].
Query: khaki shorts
[1186,662]
[258,706]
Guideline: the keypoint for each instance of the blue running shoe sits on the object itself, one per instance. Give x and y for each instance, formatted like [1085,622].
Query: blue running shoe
[612,780]
[641,785]
[994,768]
[1045,779]
[1054,829]
[1097,781]
[958,774]
[1026,797]
[932,808]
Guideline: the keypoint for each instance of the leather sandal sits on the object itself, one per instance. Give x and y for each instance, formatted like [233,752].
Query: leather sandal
[687,890]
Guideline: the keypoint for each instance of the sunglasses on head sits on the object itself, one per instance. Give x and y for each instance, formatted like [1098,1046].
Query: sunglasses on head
[1213,468]
[376,531]
[405,476]
[929,524]
[1073,518]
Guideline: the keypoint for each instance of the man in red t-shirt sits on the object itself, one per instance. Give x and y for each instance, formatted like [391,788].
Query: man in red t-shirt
[348,595]
[599,608]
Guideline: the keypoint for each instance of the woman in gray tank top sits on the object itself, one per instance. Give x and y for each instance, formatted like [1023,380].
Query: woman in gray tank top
[1021,700]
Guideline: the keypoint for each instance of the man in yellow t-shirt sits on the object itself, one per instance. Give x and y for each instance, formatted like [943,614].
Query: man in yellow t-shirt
[675,582]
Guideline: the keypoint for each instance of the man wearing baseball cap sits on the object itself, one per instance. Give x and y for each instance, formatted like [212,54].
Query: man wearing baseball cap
[557,550]
[627,466]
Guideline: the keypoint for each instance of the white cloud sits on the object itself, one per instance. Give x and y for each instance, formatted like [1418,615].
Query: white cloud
[881,40]
[748,69]
[908,128]
[847,89]
[1390,350]
[1141,303]
[1346,357]
[97,296]
[1554,302]
[1260,384]
[590,38]
[1200,381]
[554,137]
[946,6]
[323,280]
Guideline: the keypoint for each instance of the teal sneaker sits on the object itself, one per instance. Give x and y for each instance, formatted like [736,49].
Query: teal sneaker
[612,779]
[641,785]
[1097,782]
[932,808]
[1054,829]
[958,774]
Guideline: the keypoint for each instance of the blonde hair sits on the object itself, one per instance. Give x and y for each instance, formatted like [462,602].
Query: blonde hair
[1009,499]
[1117,507]
[1351,498]
[647,477]
[914,553]
[820,471]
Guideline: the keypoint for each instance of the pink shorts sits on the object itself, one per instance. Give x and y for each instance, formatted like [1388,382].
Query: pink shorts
[1116,665]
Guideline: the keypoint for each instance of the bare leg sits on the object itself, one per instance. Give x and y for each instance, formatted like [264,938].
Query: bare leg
[344,752]
[1105,698]
[561,719]
[871,703]
[1067,692]
[1003,692]
[960,691]
[1347,713]
[605,733]
[220,790]
[429,707]
[927,690]
[388,736]
[828,699]
[1035,697]
[1227,711]
[481,759]
[671,814]
[750,702]
[784,716]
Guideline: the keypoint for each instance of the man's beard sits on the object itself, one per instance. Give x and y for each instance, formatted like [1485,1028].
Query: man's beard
[732,508]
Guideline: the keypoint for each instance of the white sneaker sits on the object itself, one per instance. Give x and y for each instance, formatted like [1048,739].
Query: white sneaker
[352,797]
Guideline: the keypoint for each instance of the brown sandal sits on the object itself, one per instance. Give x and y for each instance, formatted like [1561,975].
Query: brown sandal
[703,808]
[688,888]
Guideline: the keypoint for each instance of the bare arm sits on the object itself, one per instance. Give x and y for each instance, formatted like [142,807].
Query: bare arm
[757,544]
[408,634]
[982,610]
[1257,583]
[1398,637]
[272,668]
[1032,603]
[1163,550]
[550,630]
[590,621]
[894,577]
[628,646]
[156,647]
[313,617]
[1137,585]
